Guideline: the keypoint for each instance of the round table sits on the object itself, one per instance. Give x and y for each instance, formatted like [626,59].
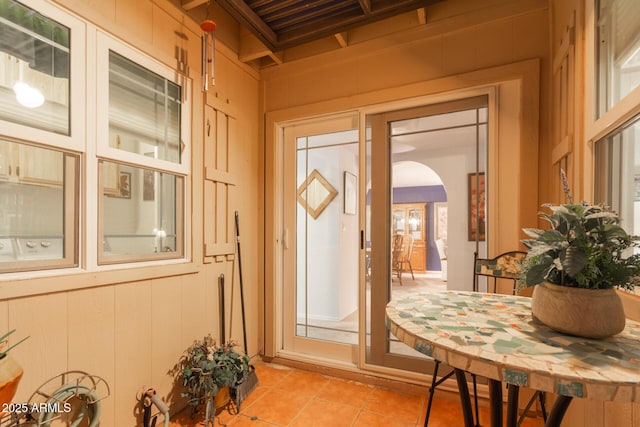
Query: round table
[494,336]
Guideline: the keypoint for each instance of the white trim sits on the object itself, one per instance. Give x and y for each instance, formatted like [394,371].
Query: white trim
[104,44]
[624,109]
[77,97]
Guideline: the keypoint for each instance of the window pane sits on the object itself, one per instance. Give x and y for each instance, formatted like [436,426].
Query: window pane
[144,111]
[34,69]
[141,213]
[618,51]
[439,121]
[37,229]
[617,172]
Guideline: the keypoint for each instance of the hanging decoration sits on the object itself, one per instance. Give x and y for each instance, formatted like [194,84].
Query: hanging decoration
[208,51]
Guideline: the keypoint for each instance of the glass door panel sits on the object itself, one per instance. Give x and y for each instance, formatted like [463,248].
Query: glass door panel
[320,214]
[420,158]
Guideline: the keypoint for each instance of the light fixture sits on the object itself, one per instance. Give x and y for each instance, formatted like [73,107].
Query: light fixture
[28,96]
[160,236]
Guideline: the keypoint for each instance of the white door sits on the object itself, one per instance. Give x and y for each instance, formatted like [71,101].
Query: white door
[321,239]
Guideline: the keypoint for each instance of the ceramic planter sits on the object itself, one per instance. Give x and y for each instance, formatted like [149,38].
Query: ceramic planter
[576,311]
[10,375]
[221,399]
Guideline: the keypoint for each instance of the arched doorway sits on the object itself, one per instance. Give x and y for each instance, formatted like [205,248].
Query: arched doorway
[420,209]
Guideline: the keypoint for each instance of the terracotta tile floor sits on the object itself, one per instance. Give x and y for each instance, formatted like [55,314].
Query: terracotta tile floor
[295,398]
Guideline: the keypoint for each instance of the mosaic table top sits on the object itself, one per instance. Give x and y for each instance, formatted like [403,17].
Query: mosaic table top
[494,336]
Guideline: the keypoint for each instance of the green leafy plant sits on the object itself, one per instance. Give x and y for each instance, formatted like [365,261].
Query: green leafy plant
[206,367]
[4,344]
[585,247]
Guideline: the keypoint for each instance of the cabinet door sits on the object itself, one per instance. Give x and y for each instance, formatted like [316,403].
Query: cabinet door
[40,165]
[111,178]
[409,218]
[399,220]
[419,257]
[5,160]
[415,222]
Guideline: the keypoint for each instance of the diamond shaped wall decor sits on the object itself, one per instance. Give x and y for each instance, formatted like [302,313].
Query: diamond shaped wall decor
[315,194]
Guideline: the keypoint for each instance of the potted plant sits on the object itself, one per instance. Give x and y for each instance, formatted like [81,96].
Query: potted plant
[211,370]
[577,264]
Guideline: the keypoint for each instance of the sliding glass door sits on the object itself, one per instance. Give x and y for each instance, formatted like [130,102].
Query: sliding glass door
[424,199]
[426,172]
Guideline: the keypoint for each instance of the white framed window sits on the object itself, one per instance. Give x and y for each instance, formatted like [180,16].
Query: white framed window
[41,87]
[113,150]
[42,74]
[613,111]
[143,160]
[39,207]
[617,51]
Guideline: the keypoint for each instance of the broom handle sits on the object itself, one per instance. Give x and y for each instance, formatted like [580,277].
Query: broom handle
[244,325]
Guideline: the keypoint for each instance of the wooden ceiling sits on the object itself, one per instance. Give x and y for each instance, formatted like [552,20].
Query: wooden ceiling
[282,24]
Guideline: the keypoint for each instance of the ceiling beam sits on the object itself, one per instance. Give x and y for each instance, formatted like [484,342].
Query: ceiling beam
[422,15]
[329,27]
[366,6]
[246,16]
[343,39]
[192,4]
[287,26]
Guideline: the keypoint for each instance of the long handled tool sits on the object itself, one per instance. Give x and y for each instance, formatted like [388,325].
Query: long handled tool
[221,299]
[251,382]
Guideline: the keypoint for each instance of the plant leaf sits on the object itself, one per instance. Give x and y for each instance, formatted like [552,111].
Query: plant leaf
[573,261]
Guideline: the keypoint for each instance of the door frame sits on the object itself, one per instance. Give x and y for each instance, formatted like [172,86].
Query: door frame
[291,343]
[517,138]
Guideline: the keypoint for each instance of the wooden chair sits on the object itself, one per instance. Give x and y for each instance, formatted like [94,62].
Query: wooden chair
[396,255]
[407,250]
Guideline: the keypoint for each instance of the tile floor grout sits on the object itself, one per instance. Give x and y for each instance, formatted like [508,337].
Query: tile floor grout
[313,395]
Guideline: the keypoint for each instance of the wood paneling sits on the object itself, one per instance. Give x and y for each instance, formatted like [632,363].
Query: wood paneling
[219,128]
[166,332]
[92,338]
[45,354]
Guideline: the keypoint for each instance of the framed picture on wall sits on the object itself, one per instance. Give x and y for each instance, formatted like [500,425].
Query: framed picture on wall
[350,193]
[124,186]
[477,224]
[440,220]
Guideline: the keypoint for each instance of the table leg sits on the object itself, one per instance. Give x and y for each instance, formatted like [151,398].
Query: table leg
[465,400]
[495,401]
[558,410]
[512,405]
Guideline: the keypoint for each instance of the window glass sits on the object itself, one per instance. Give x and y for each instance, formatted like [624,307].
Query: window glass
[617,51]
[617,171]
[34,69]
[38,191]
[141,214]
[144,111]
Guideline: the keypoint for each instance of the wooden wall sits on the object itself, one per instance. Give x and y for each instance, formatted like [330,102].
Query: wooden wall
[569,149]
[464,46]
[130,326]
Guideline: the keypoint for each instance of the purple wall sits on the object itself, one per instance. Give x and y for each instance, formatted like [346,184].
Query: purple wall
[428,195]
